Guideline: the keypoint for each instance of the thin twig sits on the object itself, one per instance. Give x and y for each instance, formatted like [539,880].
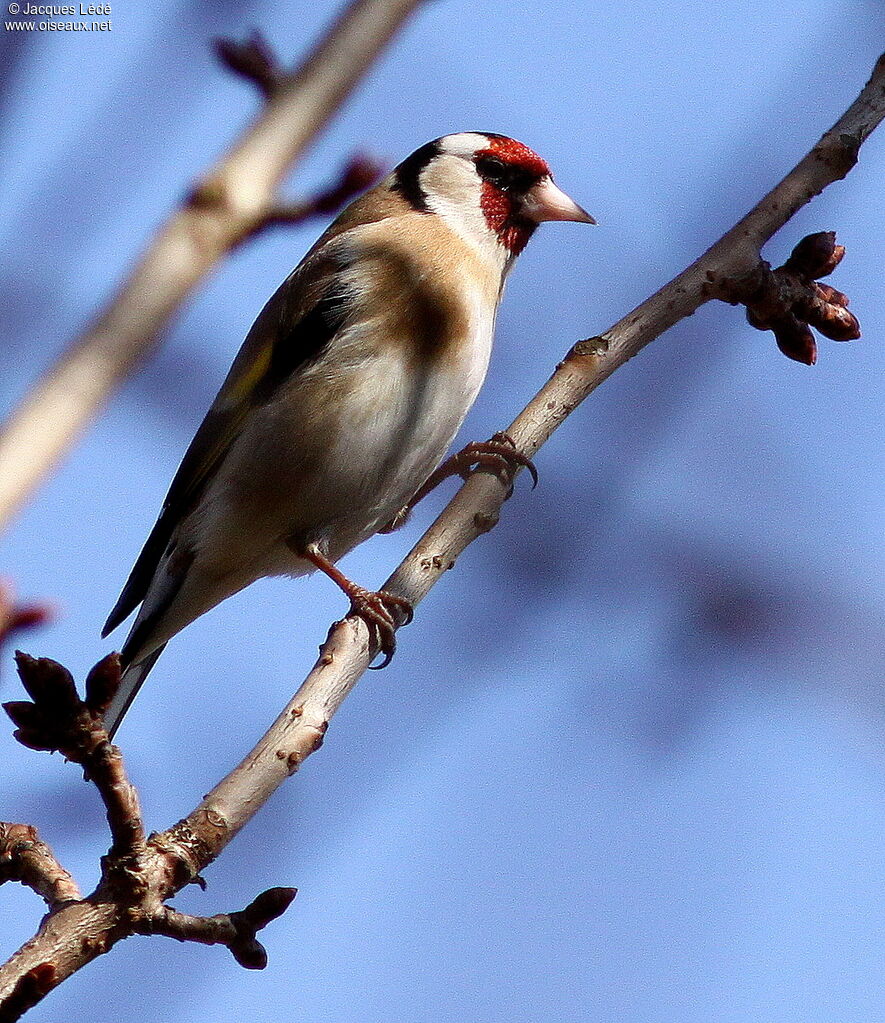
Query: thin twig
[235,930]
[358,174]
[225,207]
[26,858]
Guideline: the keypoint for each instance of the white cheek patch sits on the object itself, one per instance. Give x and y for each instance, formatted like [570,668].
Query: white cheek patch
[454,192]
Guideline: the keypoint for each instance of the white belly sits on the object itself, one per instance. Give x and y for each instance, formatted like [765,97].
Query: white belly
[338,456]
[400,427]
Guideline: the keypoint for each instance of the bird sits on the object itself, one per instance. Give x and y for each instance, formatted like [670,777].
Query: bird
[346,394]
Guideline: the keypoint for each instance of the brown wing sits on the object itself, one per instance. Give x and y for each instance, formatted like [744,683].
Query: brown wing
[283,339]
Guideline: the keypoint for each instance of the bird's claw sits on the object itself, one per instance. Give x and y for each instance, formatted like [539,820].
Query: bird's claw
[383,613]
[497,455]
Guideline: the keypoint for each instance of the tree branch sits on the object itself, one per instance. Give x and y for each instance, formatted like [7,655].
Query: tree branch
[24,857]
[230,203]
[731,270]
[137,876]
[235,930]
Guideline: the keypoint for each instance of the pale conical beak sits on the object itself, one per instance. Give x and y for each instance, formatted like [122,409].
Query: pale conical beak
[545,201]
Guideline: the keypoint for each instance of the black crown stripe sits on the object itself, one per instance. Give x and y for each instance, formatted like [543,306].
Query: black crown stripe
[408,175]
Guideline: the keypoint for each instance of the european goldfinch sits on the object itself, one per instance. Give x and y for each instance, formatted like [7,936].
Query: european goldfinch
[347,392]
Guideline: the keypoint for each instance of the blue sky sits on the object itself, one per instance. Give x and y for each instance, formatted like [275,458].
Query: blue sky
[628,763]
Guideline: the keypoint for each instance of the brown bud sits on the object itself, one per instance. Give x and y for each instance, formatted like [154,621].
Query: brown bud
[796,341]
[35,740]
[250,954]
[756,321]
[832,262]
[253,59]
[816,255]
[102,683]
[829,294]
[267,906]
[47,681]
[837,323]
[24,714]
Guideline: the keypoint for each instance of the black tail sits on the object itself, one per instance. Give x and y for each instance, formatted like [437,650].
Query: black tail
[132,680]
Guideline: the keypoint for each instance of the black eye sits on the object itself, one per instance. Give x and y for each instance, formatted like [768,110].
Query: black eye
[506,176]
[491,168]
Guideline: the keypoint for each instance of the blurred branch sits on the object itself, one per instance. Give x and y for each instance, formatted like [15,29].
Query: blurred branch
[732,270]
[254,60]
[15,617]
[360,172]
[232,201]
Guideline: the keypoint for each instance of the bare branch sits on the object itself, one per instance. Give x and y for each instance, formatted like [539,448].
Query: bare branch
[224,208]
[730,268]
[235,930]
[24,857]
[137,875]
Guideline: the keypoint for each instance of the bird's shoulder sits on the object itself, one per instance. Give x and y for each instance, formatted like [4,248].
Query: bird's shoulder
[387,236]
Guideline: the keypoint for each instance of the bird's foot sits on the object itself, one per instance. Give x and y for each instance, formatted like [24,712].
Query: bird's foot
[497,455]
[383,612]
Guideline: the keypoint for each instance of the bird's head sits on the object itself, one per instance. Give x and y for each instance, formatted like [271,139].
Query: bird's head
[491,189]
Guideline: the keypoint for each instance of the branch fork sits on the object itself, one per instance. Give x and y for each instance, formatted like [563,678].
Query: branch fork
[138,873]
